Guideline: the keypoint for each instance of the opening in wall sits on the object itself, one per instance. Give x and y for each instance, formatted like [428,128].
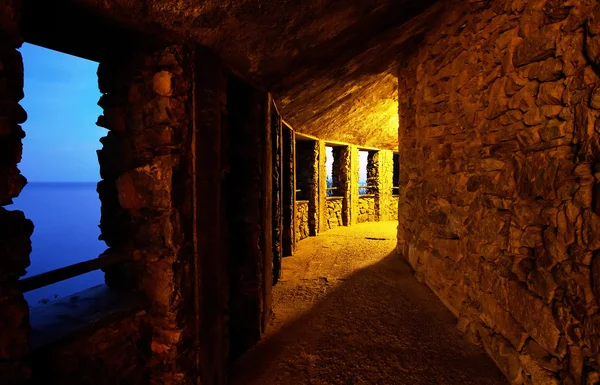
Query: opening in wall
[329,169]
[60,163]
[363,162]
[396,175]
[305,171]
[333,167]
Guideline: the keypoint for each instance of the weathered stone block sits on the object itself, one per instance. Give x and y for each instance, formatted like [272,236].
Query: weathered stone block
[595,99]
[592,48]
[539,364]
[551,93]
[500,320]
[532,313]
[525,98]
[533,117]
[503,354]
[497,104]
[591,230]
[550,70]
[541,282]
[162,111]
[162,83]
[538,46]
[575,280]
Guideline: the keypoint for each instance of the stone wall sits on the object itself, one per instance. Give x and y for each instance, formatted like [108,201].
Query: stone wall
[278,198]
[344,179]
[393,208]
[333,215]
[380,173]
[15,228]
[114,352]
[145,195]
[366,209]
[152,163]
[289,189]
[498,211]
[301,220]
[248,203]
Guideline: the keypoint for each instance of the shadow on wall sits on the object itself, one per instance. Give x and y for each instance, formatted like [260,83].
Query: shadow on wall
[376,326]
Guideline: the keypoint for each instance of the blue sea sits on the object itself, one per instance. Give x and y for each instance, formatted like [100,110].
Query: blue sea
[66,217]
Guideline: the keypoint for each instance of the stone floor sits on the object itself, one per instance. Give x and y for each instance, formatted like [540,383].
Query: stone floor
[349,311]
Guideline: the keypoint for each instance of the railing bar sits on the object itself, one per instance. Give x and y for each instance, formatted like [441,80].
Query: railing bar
[64,273]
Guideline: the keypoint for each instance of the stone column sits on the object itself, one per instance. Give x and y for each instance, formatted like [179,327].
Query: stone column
[15,229]
[380,178]
[289,189]
[313,193]
[322,188]
[146,196]
[348,183]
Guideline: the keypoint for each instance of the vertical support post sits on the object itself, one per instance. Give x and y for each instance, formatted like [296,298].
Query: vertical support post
[210,160]
[382,173]
[353,184]
[295,187]
[322,186]
[277,192]
[288,192]
[313,197]
[348,183]
[267,215]
[248,191]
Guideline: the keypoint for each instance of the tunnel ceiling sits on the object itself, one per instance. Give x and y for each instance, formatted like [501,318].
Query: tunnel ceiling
[329,64]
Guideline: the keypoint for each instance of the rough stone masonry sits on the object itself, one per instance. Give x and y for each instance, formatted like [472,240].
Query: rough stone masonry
[499,209]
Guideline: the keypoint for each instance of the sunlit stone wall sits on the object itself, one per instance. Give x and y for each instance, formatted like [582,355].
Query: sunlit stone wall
[500,146]
[301,230]
[366,209]
[333,214]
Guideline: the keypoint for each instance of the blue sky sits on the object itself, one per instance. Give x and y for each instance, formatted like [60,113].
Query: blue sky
[61,96]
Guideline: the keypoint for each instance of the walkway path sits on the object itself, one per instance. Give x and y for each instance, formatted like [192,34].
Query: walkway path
[349,311]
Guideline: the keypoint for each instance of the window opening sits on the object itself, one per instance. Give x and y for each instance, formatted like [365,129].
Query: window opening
[61,165]
[329,167]
[304,169]
[363,161]
[396,175]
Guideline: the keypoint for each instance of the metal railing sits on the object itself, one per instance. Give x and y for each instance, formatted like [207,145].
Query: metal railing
[74,270]
[364,190]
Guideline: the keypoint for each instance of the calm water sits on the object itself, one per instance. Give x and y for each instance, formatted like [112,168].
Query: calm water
[66,218]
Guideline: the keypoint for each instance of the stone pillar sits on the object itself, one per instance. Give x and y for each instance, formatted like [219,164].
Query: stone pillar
[211,163]
[146,197]
[348,183]
[15,229]
[380,178]
[372,172]
[277,191]
[248,201]
[289,188]
[321,187]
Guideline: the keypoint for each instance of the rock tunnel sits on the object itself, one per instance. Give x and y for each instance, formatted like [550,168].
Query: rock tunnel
[444,152]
